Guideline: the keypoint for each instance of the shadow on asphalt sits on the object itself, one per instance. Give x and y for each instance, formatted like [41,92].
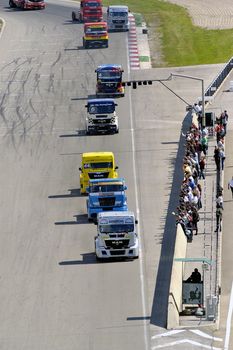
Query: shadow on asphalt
[90,258]
[161,293]
[74,192]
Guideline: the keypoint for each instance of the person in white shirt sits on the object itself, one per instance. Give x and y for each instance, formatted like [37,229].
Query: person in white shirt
[230,186]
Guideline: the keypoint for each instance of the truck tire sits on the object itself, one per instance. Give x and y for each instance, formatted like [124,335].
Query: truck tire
[12,4]
[73,15]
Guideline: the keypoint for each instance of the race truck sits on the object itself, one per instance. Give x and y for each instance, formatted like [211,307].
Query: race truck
[90,11]
[106,195]
[101,116]
[117,18]
[96,165]
[95,34]
[109,80]
[27,4]
[116,235]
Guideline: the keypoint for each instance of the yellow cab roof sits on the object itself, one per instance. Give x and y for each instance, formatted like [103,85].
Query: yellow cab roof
[97,156]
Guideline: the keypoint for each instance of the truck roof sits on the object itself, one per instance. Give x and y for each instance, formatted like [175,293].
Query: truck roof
[95,155]
[118,7]
[101,100]
[109,67]
[95,24]
[115,214]
[107,181]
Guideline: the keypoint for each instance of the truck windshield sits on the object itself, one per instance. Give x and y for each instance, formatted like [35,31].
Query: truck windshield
[116,228]
[99,165]
[106,188]
[95,29]
[92,4]
[109,74]
[118,14]
[94,108]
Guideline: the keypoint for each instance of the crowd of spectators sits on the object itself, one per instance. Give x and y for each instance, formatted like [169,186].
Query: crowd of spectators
[194,164]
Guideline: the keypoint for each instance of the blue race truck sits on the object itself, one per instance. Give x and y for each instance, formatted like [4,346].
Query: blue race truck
[106,195]
[109,81]
[101,116]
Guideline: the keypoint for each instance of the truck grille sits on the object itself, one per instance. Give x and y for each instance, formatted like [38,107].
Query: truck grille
[119,21]
[117,244]
[101,121]
[117,252]
[102,175]
[107,202]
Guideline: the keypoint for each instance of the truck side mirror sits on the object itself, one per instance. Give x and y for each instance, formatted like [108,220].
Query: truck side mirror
[95,223]
[86,106]
[136,222]
[80,169]
[125,188]
[116,104]
[116,167]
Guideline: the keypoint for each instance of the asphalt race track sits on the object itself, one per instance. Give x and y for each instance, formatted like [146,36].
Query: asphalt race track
[53,293]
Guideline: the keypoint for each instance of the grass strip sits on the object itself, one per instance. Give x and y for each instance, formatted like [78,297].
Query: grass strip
[181,43]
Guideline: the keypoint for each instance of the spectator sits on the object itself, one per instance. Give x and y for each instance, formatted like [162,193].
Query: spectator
[204,144]
[230,186]
[218,219]
[195,277]
[195,220]
[222,157]
[217,157]
[202,165]
[225,120]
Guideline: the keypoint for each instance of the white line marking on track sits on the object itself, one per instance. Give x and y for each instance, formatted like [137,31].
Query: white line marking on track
[228,324]
[141,258]
[205,335]
[183,341]
[168,334]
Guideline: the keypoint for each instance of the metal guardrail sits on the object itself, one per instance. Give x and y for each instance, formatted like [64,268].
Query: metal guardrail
[213,87]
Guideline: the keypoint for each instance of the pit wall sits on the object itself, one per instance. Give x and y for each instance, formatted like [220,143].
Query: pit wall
[175,292]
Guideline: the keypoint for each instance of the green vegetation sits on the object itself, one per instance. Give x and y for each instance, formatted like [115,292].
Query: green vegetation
[180,42]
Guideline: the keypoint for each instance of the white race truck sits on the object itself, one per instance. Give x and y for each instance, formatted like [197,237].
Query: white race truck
[118,18]
[101,116]
[116,235]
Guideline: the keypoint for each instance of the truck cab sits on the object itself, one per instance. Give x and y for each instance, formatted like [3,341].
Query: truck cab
[27,4]
[116,235]
[118,18]
[106,195]
[109,80]
[96,165]
[101,116]
[95,34]
[90,11]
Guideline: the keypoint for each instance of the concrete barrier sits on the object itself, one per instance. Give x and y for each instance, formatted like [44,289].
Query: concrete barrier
[175,291]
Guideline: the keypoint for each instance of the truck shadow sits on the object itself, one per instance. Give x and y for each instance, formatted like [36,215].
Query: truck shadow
[79,133]
[90,258]
[74,192]
[81,219]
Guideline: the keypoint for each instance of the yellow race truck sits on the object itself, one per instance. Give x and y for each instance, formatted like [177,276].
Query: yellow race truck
[96,165]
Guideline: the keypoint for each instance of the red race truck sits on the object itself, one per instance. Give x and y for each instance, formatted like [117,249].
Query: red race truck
[27,4]
[90,11]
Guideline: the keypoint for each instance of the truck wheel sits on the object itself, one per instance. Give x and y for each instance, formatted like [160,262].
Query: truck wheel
[74,18]
[12,4]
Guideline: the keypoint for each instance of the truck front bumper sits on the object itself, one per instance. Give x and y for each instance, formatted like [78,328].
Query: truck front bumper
[103,253]
[97,129]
